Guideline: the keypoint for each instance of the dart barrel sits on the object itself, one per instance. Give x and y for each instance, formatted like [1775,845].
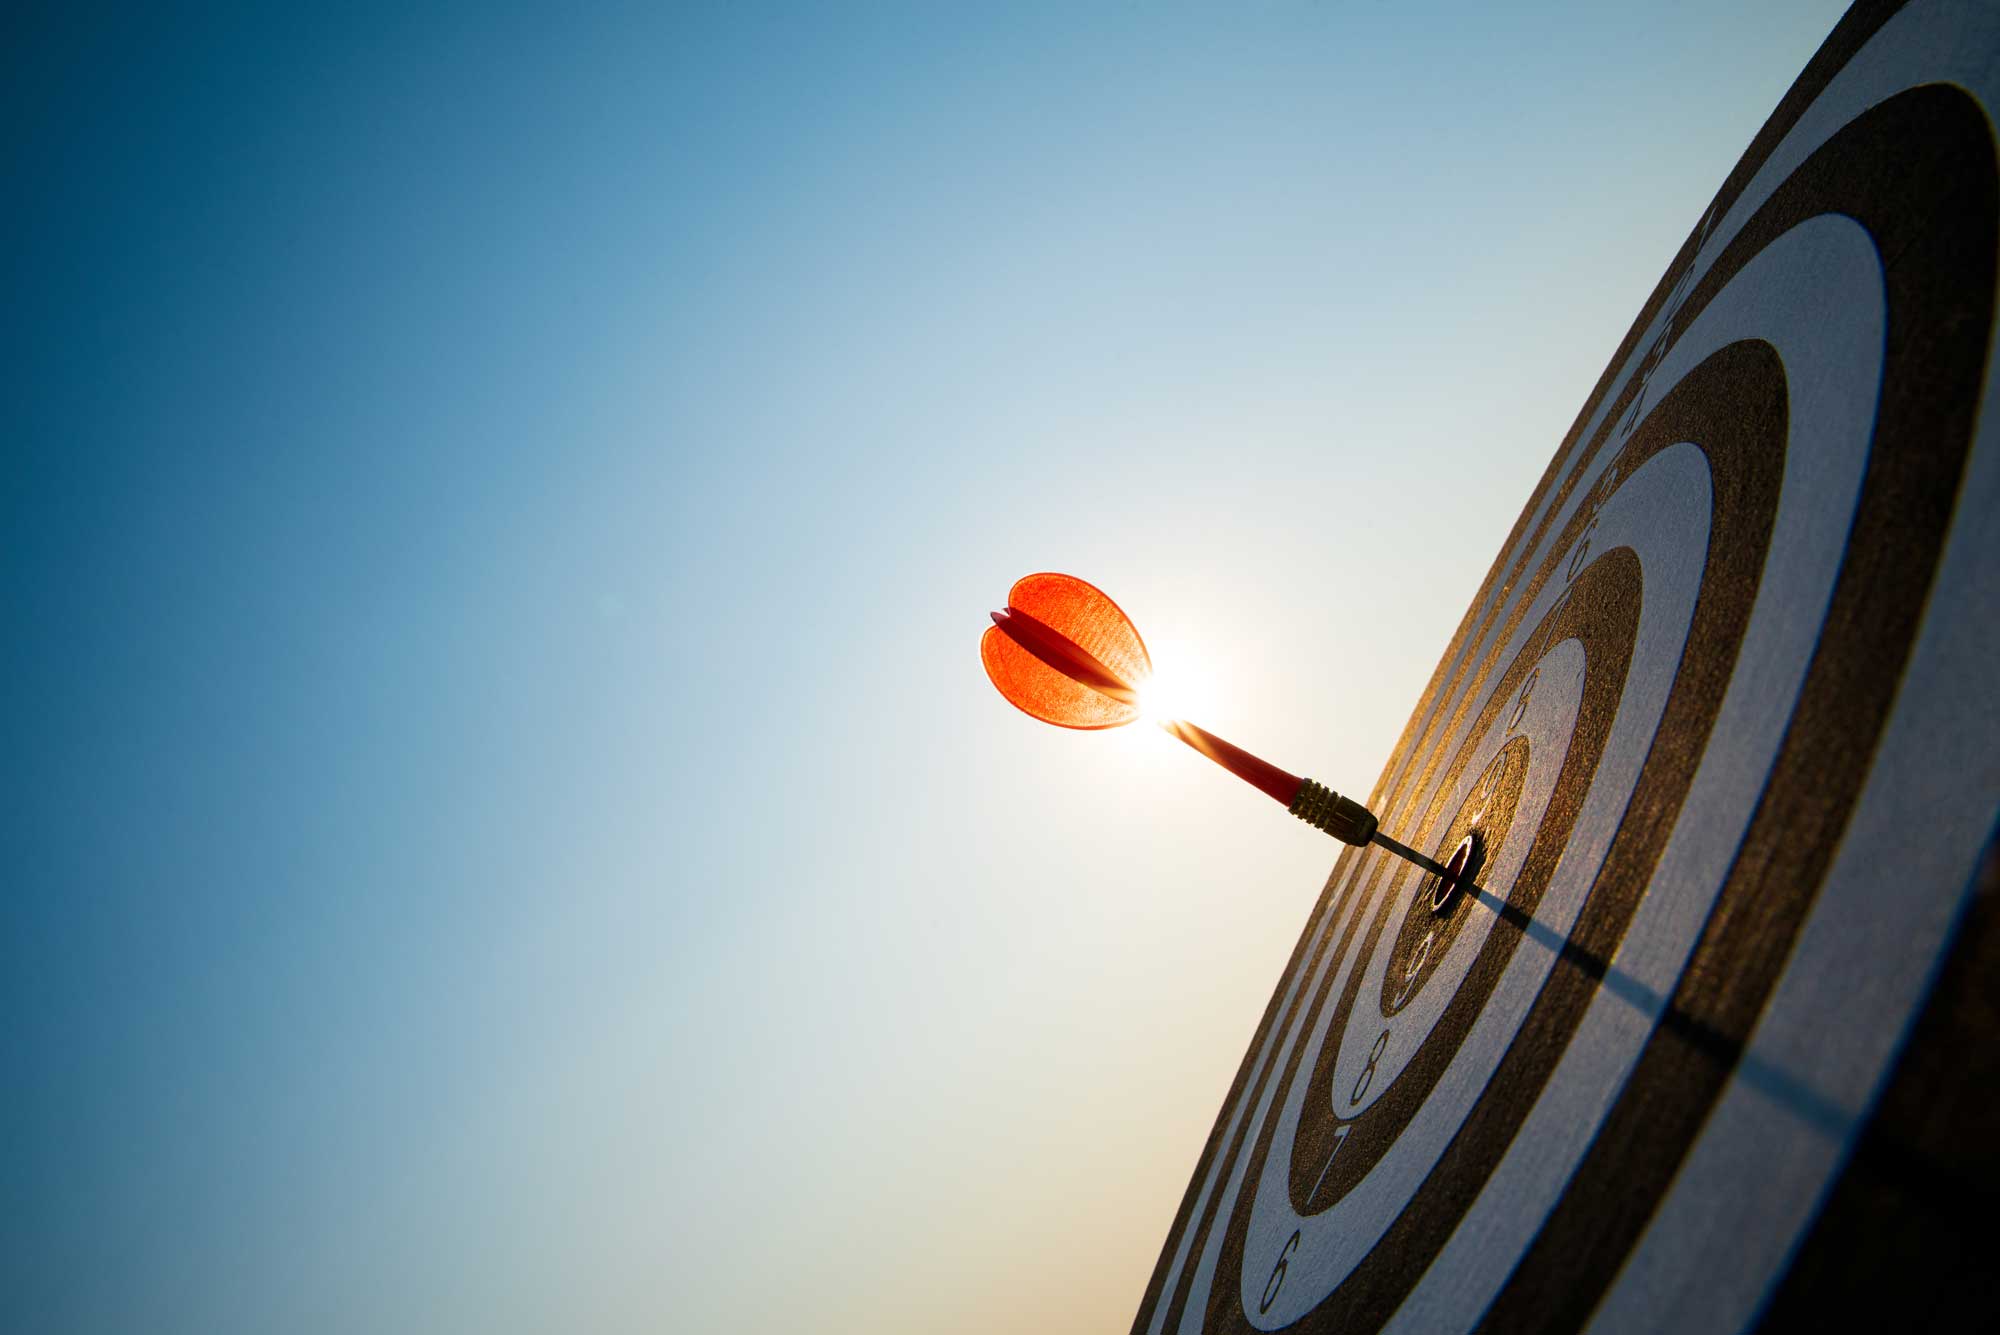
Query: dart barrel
[1342,817]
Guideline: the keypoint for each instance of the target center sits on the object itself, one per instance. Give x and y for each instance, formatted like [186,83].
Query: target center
[1460,868]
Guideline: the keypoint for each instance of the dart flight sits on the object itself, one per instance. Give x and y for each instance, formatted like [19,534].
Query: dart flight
[1064,653]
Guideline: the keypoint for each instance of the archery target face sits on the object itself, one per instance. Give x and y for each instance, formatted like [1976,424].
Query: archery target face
[1720,723]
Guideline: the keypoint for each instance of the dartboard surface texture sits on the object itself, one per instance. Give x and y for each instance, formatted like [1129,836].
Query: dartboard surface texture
[1714,1042]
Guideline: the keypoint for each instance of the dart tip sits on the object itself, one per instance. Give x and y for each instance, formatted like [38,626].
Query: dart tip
[998,617]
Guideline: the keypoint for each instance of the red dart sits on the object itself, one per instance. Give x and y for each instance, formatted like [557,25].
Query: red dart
[1066,654]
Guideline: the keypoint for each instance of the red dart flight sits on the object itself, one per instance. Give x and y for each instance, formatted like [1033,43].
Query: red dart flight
[1063,652]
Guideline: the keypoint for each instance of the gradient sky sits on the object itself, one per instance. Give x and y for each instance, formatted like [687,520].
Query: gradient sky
[505,826]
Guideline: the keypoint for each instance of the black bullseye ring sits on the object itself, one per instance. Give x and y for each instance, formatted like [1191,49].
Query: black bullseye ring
[1460,868]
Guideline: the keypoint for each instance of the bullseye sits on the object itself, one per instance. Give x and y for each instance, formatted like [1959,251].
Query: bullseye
[1460,867]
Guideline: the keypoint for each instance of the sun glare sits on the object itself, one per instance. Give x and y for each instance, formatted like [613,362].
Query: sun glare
[1159,702]
[1176,690]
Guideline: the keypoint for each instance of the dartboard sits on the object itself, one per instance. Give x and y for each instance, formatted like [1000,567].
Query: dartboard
[1708,1039]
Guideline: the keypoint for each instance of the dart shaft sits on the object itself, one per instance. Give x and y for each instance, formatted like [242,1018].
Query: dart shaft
[1314,803]
[1409,854]
[1259,773]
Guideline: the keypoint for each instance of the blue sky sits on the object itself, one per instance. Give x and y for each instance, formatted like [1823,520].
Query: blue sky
[507,829]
